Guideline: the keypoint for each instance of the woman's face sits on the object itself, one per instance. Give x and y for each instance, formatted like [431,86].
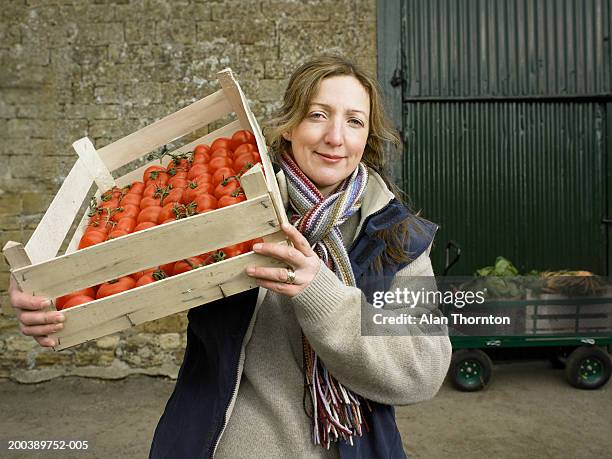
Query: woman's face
[328,144]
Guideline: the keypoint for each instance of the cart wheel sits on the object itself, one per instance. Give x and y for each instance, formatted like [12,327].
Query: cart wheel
[470,369]
[588,367]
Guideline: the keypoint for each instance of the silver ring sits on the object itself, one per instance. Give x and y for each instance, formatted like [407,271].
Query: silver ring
[290,276]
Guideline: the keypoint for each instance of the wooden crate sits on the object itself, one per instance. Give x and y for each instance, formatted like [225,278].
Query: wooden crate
[39,270]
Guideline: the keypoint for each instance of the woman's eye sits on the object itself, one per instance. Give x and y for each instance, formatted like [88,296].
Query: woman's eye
[356,121]
[317,115]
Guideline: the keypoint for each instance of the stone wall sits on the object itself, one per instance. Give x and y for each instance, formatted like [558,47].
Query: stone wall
[104,69]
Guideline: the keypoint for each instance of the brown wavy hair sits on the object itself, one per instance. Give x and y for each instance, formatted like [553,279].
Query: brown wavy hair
[301,90]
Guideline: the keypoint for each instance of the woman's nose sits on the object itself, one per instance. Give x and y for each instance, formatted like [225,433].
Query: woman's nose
[334,134]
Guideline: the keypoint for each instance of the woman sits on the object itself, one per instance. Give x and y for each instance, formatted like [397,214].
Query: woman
[284,371]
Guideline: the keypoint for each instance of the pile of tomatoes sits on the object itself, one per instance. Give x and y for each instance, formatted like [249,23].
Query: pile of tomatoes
[193,183]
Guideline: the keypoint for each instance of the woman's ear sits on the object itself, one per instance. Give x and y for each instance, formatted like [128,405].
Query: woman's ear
[287,136]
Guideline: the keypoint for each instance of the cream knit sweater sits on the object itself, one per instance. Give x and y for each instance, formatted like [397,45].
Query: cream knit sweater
[267,418]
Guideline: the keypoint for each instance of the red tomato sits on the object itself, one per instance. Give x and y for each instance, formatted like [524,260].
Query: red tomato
[200,158]
[201,149]
[147,175]
[221,142]
[149,201]
[244,162]
[131,198]
[226,187]
[228,200]
[191,193]
[219,162]
[222,174]
[244,148]
[136,188]
[151,277]
[178,164]
[197,170]
[115,286]
[185,265]
[205,177]
[139,274]
[172,210]
[61,301]
[241,137]
[221,152]
[175,195]
[249,244]
[110,204]
[233,250]
[143,226]
[168,268]
[126,224]
[113,193]
[158,178]
[127,210]
[76,300]
[149,214]
[205,202]
[100,224]
[91,238]
[178,182]
[114,234]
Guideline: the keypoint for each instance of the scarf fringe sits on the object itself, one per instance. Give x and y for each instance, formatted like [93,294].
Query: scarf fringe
[336,410]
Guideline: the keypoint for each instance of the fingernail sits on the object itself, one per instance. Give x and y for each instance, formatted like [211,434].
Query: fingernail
[286,226]
[45,303]
[250,271]
[61,317]
[257,246]
[59,326]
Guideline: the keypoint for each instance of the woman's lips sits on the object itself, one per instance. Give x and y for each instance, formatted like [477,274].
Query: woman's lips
[329,158]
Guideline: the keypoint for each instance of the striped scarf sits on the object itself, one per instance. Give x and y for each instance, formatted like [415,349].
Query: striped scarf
[337,411]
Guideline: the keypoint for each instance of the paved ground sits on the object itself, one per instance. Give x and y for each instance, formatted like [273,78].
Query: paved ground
[527,411]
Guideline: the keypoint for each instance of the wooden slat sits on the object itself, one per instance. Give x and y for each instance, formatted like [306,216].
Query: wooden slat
[151,247]
[55,224]
[159,299]
[247,119]
[166,130]
[136,175]
[15,255]
[97,169]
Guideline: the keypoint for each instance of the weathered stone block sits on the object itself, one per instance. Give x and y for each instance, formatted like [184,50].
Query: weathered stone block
[271,90]
[234,9]
[173,31]
[169,341]
[298,11]
[11,204]
[108,342]
[92,33]
[238,31]
[49,357]
[34,203]
[20,343]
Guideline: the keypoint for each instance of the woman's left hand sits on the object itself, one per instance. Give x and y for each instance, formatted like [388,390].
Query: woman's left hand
[301,258]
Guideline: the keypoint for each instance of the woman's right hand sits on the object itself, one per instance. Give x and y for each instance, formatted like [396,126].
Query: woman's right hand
[34,321]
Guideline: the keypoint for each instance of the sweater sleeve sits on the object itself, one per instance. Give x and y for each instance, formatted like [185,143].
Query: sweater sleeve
[405,368]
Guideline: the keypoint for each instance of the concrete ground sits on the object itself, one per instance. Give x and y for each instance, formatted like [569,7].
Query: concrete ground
[528,411]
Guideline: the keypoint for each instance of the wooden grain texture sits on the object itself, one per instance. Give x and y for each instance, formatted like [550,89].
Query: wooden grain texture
[241,107]
[166,130]
[159,299]
[97,169]
[150,247]
[53,228]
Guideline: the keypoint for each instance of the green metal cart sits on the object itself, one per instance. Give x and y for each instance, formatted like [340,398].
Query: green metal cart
[575,336]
